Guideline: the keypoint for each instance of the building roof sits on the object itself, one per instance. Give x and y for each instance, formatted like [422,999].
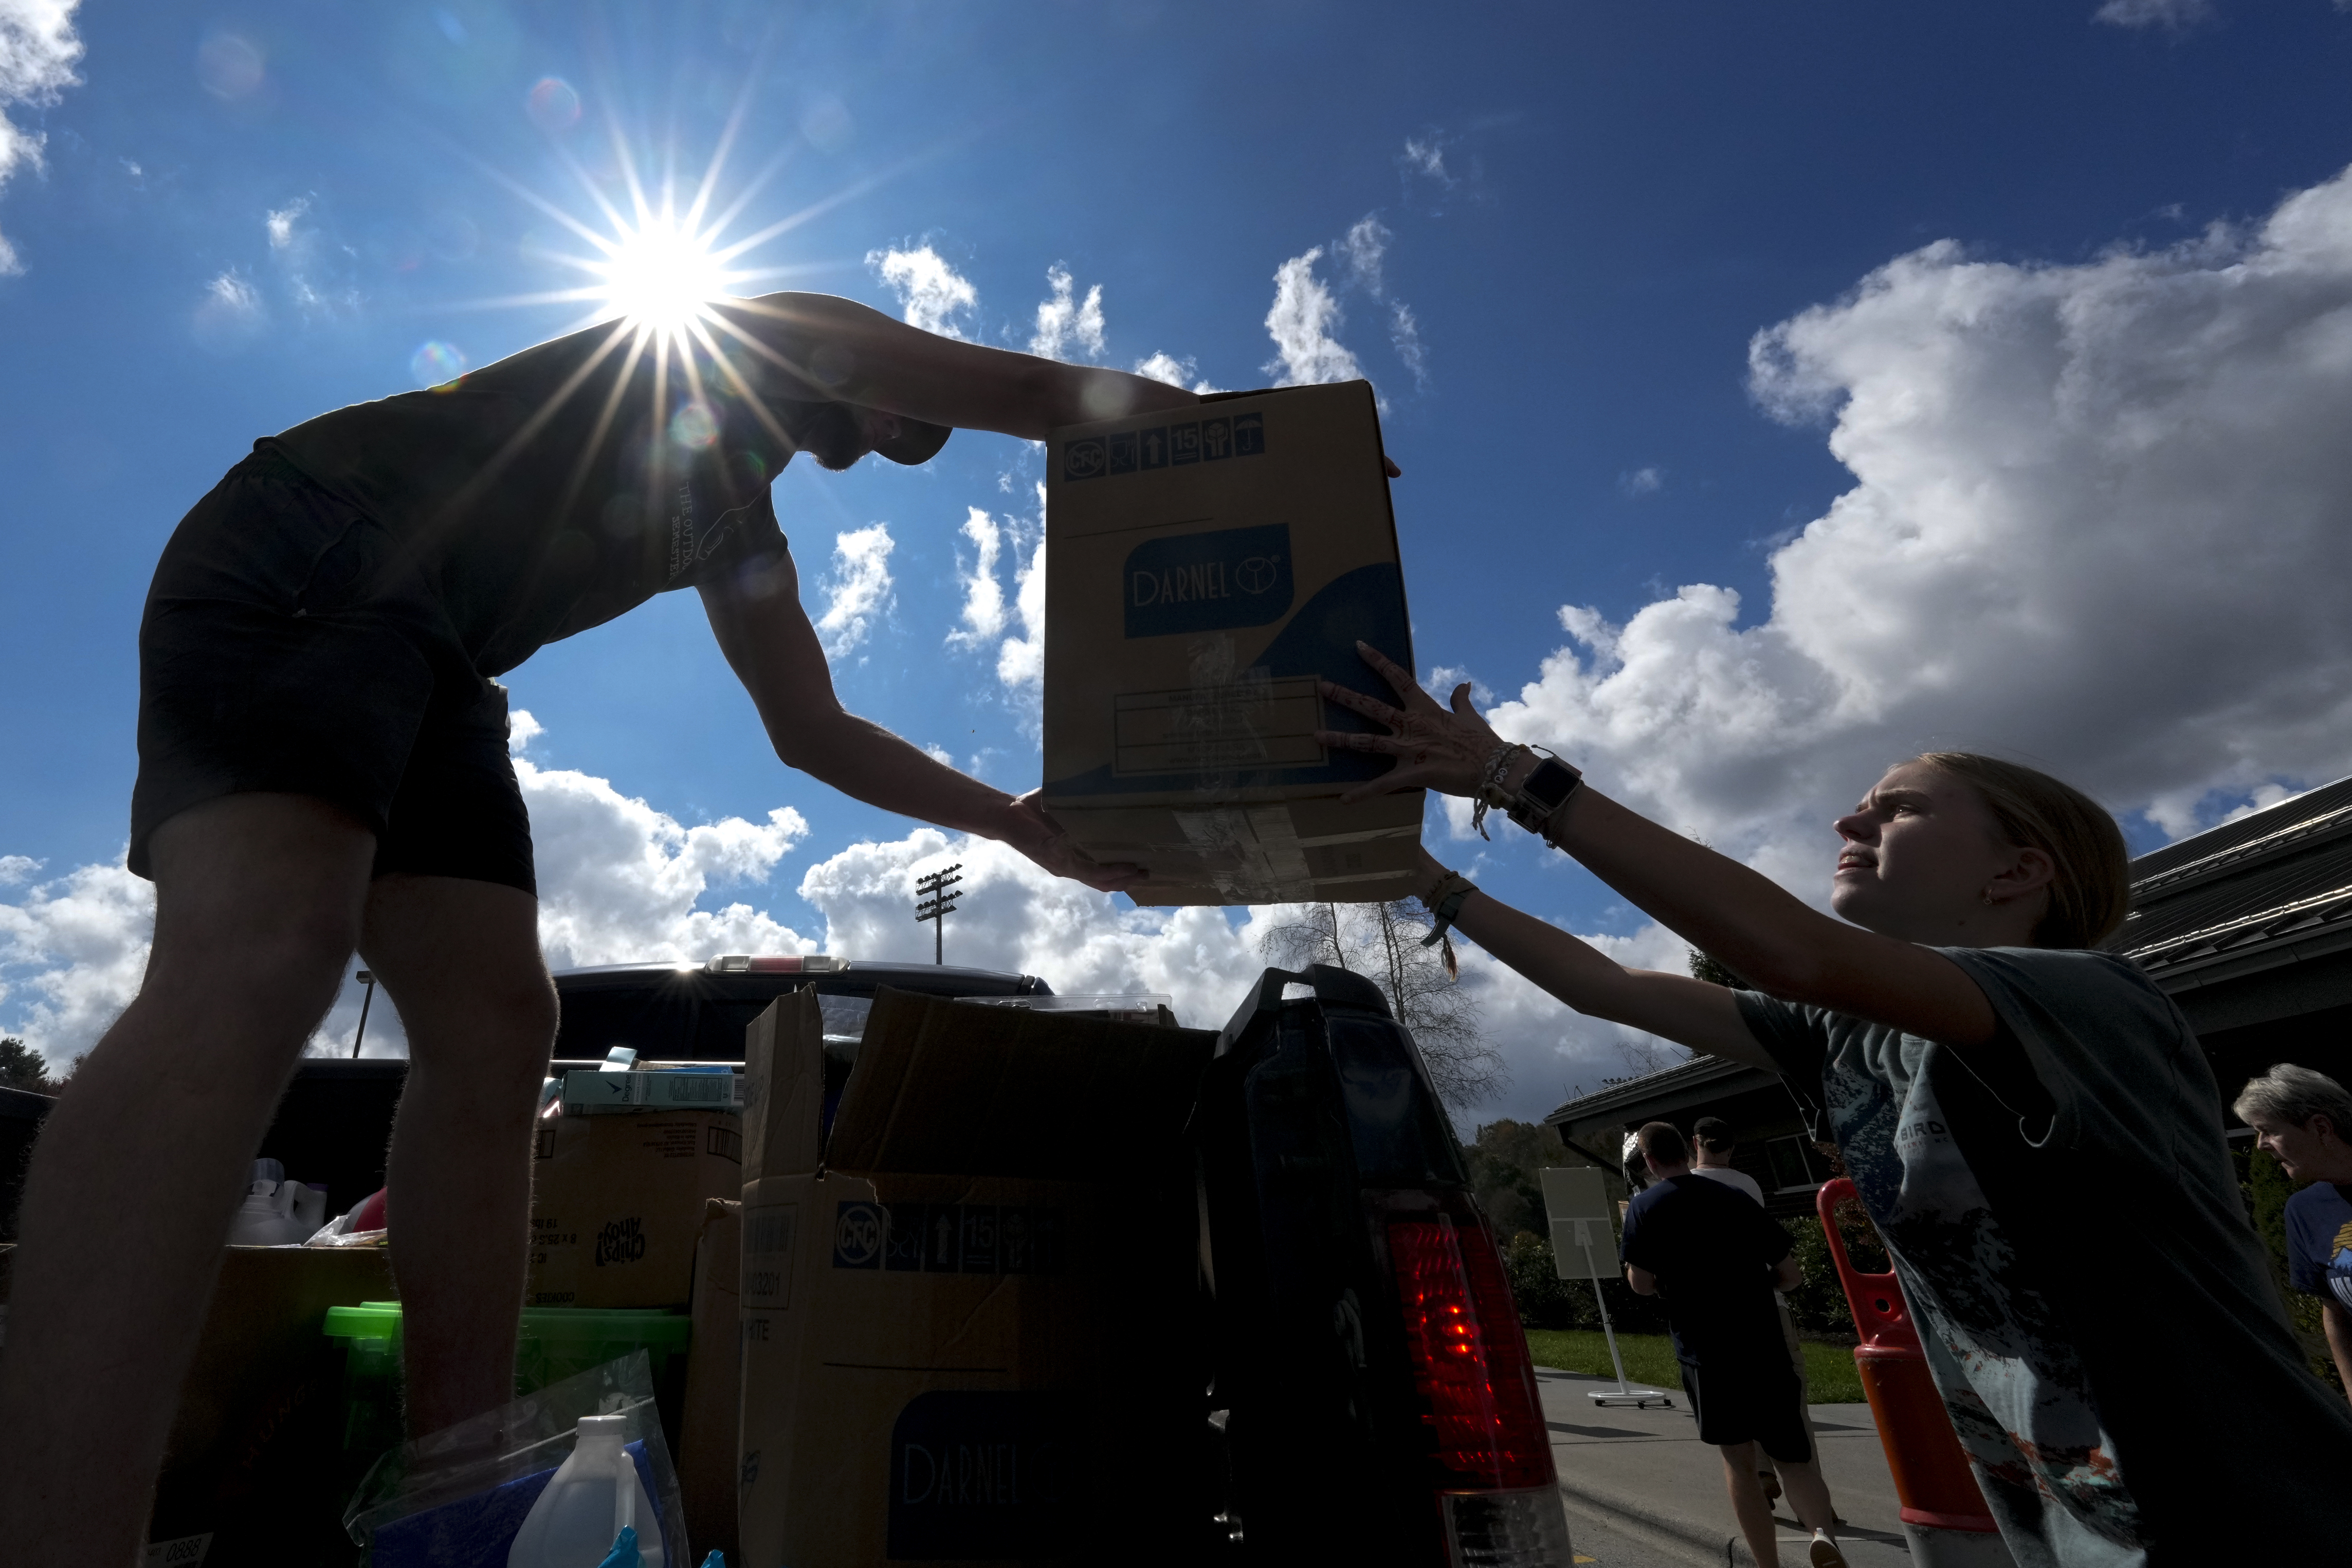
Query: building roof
[2273,886]
[1698,1081]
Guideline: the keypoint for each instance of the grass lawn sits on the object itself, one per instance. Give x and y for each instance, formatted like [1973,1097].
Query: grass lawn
[1830,1375]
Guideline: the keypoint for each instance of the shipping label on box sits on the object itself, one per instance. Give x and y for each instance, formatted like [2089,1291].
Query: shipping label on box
[616,1205]
[1201,574]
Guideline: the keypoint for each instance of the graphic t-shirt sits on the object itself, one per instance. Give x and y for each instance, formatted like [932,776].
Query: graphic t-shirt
[1713,1252]
[556,488]
[2054,1315]
[2319,1241]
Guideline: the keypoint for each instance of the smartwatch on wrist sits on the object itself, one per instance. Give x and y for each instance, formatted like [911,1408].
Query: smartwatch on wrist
[1543,792]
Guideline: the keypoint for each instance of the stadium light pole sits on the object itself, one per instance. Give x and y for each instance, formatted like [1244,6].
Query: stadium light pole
[934,903]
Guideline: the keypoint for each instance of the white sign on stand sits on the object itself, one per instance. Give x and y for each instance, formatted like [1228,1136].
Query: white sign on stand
[1578,1206]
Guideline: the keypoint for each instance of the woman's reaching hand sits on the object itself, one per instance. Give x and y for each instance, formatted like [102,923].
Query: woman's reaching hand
[1435,749]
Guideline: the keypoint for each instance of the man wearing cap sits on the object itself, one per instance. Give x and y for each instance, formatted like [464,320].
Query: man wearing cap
[323,768]
[1716,1257]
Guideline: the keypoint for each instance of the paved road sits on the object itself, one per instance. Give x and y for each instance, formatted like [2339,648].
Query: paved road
[1640,1483]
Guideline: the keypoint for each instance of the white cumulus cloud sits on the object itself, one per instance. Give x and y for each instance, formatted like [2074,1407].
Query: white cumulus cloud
[932,293]
[38,51]
[1160,365]
[1068,326]
[990,613]
[1302,322]
[1016,918]
[2099,520]
[857,589]
[619,880]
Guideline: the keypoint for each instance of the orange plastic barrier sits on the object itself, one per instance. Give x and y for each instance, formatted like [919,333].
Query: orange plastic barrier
[1931,1474]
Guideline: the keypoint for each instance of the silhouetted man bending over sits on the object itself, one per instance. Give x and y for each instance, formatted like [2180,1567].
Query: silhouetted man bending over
[324,767]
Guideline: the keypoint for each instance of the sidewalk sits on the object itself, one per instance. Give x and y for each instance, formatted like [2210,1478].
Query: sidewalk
[1644,1474]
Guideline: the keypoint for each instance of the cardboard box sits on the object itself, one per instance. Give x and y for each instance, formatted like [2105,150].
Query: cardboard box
[629,1093]
[711,1423]
[1201,574]
[965,1312]
[616,1205]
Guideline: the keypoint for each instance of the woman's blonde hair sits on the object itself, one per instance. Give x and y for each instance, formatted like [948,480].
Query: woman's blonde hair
[2090,891]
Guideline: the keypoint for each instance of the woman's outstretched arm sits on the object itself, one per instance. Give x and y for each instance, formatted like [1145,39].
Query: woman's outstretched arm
[1674,1006]
[1735,914]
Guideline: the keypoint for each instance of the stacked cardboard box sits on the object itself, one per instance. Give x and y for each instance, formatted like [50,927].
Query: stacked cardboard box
[966,1307]
[1202,574]
[616,1204]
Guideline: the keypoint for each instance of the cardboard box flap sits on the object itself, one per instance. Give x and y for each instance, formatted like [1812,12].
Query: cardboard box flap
[946,1087]
[784,1084]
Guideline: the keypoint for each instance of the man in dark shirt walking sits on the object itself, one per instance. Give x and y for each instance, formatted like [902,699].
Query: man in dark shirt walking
[1716,1258]
[323,768]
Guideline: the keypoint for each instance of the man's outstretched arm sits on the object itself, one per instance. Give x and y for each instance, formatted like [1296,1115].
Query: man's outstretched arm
[847,350]
[774,650]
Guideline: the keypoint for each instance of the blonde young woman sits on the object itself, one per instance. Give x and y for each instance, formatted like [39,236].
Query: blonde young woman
[2031,1122]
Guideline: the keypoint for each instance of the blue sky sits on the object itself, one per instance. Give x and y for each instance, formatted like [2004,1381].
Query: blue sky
[1594,218]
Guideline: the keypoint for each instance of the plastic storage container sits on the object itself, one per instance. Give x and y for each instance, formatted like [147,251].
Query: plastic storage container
[595,1494]
[555,1343]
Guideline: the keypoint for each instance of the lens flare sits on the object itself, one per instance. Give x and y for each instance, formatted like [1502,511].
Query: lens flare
[436,363]
[660,274]
[552,104]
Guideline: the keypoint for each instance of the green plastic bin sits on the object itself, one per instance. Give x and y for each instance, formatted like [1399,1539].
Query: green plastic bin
[556,1343]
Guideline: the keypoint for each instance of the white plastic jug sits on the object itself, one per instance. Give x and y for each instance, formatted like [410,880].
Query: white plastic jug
[277,1213]
[593,1495]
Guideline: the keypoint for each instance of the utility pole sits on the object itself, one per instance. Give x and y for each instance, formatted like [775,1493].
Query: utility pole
[366,1000]
[934,903]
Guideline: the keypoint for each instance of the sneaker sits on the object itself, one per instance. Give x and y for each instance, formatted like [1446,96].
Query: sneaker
[1825,1552]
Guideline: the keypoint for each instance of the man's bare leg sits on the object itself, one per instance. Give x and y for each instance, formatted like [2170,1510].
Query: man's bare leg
[1748,1504]
[461,962]
[128,1200]
[1809,1494]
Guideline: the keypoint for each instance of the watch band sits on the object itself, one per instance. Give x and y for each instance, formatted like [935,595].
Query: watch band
[1542,792]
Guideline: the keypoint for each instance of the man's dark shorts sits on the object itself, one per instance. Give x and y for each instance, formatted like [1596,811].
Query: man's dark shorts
[289,645]
[1745,1401]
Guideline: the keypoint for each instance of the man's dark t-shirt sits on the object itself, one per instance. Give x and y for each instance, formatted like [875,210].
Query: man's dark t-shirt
[556,488]
[1713,1250]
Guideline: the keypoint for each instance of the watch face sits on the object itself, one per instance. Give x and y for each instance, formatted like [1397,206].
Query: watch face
[1549,782]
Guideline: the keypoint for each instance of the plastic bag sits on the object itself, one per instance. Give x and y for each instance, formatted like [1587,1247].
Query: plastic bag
[455,1499]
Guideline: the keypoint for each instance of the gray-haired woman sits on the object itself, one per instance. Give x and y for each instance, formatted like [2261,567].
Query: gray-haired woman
[2031,1122]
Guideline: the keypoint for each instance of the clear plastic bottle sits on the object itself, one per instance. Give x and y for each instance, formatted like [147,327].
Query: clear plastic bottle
[593,1495]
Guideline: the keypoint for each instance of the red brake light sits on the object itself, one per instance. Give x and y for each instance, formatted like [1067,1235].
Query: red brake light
[1469,1358]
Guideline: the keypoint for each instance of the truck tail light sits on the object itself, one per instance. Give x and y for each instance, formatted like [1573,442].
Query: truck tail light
[1497,1485]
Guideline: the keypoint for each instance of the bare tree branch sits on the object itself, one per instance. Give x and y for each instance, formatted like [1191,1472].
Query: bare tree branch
[1382,942]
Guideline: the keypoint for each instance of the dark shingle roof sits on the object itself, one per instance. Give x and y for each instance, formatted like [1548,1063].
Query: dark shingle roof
[2280,877]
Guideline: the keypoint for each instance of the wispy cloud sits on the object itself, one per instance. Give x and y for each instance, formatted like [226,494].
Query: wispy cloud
[39,50]
[1641,481]
[932,293]
[1425,156]
[857,589]
[992,613]
[1166,367]
[2176,15]
[1302,322]
[229,313]
[1064,321]
[280,222]
[1366,248]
